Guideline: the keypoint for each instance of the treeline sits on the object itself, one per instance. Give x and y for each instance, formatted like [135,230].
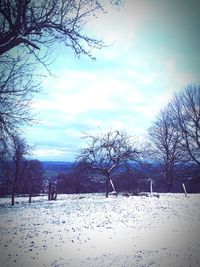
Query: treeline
[114,161]
[18,173]
[134,181]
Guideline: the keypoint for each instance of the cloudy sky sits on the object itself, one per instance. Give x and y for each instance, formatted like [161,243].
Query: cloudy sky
[154,51]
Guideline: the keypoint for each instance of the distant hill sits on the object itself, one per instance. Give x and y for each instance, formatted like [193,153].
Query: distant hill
[52,168]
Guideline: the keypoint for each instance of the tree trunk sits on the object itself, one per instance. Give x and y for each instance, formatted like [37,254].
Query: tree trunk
[170,185]
[52,193]
[49,191]
[30,192]
[107,187]
[170,178]
[7,187]
[13,194]
[171,174]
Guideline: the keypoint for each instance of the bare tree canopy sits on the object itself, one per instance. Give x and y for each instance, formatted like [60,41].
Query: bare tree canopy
[15,162]
[107,152]
[28,27]
[175,135]
[186,115]
[33,177]
[166,144]
[34,24]
[16,90]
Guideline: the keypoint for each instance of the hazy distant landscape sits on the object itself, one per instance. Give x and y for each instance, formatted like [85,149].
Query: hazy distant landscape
[53,168]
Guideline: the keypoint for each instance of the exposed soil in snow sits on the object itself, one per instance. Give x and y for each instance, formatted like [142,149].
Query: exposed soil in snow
[91,230]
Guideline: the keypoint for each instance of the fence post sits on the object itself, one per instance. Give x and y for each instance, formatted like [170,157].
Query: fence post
[184,189]
[151,188]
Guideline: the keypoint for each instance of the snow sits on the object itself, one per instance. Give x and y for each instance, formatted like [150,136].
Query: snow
[91,230]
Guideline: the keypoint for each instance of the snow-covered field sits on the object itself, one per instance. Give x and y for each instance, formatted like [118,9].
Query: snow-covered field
[91,230]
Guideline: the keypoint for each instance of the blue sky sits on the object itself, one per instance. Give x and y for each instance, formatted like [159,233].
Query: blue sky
[154,52]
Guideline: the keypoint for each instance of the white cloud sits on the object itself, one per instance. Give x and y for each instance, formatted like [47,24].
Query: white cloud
[179,79]
[121,24]
[152,106]
[149,79]
[127,86]
[48,152]
[89,92]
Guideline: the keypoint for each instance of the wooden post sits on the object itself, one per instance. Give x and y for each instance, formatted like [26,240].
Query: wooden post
[112,185]
[151,188]
[184,189]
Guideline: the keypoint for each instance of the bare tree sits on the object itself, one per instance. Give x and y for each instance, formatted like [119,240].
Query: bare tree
[186,115]
[166,144]
[107,152]
[52,189]
[16,91]
[33,177]
[28,30]
[34,24]
[15,163]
